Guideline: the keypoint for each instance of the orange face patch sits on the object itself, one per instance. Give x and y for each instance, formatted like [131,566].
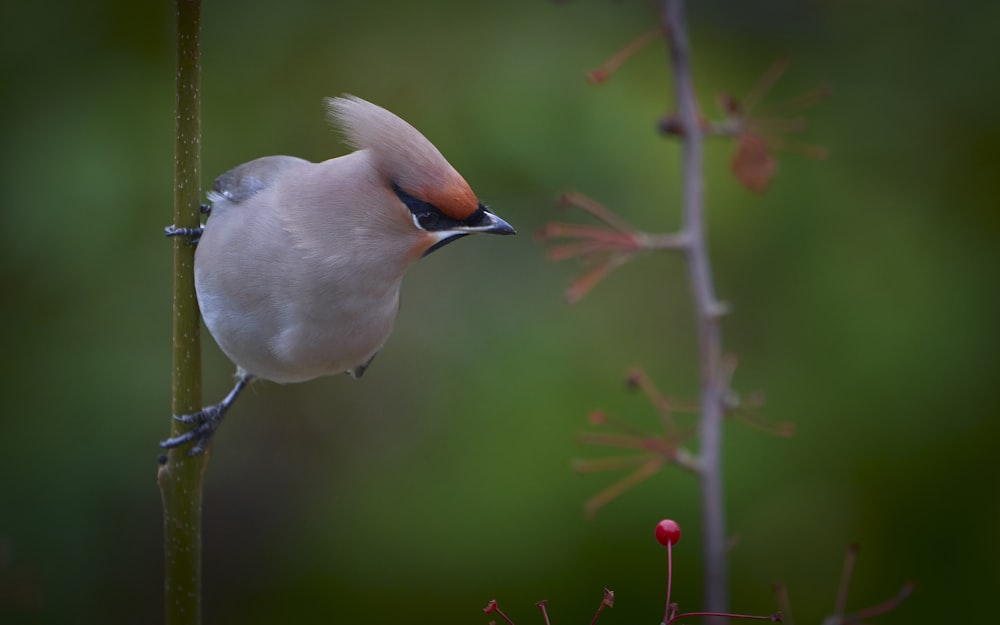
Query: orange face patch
[454,199]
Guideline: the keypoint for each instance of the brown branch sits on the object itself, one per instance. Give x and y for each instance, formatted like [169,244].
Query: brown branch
[708,310]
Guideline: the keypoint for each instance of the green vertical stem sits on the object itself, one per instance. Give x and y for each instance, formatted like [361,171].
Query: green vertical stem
[180,477]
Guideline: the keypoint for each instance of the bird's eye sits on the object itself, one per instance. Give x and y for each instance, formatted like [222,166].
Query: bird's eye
[427,220]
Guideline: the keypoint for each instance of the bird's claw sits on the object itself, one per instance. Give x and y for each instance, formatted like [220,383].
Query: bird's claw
[193,235]
[205,422]
[207,414]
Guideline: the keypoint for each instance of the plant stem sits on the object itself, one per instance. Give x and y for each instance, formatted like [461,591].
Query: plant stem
[708,309]
[180,476]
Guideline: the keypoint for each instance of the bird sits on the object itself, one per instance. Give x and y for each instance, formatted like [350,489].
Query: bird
[299,265]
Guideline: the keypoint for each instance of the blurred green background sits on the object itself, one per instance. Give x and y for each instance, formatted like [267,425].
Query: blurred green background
[864,291]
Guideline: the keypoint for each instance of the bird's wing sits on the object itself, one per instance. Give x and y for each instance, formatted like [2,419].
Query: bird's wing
[246,180]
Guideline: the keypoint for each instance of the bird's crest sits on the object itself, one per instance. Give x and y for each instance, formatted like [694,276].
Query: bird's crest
[403,155]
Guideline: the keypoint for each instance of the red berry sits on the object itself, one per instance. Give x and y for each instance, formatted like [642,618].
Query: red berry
[668,532]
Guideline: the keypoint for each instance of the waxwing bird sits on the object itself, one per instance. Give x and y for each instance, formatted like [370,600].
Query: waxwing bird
[299,266]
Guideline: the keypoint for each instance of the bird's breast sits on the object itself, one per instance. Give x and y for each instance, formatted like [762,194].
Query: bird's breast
[286,313]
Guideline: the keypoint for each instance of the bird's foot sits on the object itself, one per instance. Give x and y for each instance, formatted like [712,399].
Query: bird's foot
[191,234]
[205,422]
[208,419]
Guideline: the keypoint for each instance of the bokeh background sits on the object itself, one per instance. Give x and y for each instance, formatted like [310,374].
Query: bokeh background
[864,291]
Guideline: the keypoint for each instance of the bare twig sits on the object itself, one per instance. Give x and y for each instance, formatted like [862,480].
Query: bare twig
[845,580]
[709,310]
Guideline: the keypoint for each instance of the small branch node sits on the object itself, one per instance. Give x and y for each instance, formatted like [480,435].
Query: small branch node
[718,309]
[678,241]
[687,460]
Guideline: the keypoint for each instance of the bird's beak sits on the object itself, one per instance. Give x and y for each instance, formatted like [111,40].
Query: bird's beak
[483,222]
[487,223]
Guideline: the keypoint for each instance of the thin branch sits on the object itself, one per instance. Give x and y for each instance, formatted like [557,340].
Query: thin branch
[716,583]
[764,84]
[601,499]
[845,581]
[610,66]
[180,476]
[595,208]
[885,606]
